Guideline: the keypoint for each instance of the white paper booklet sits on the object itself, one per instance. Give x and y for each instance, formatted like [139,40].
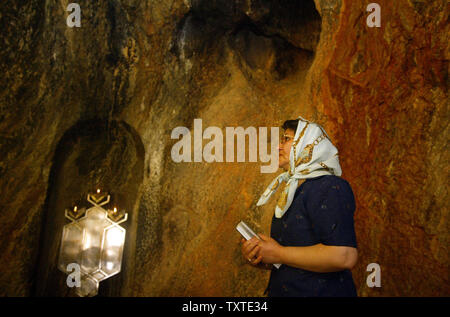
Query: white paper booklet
[248,233]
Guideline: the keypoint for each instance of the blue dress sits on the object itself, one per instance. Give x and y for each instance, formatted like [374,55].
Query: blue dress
[321,212]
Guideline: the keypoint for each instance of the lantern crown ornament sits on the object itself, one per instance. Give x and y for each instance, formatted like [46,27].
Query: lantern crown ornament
[94,241]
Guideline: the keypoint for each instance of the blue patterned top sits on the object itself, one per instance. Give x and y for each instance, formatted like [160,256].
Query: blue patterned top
[321,212]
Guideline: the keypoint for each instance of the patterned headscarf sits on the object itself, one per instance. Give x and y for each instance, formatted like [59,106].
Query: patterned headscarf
[312,155]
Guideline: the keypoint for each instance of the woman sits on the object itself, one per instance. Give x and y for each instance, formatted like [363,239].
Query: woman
[312,233]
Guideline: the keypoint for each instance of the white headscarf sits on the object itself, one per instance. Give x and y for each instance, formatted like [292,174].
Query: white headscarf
[312,155]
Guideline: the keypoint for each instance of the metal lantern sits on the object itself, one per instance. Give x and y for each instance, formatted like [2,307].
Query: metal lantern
[93,242]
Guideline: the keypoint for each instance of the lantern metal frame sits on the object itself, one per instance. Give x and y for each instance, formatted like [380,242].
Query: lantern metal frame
[95,241]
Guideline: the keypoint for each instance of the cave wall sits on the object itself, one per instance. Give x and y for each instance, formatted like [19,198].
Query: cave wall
[381,94]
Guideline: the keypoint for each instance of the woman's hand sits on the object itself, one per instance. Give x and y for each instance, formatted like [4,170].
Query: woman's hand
[249,249]
[268,249]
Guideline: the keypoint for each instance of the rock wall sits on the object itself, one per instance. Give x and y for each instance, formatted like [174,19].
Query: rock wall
[135,70]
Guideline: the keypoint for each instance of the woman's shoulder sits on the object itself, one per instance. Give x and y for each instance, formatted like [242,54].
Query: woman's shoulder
[327,188]
[325,183]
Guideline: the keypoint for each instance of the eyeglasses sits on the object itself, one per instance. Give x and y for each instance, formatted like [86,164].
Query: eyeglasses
[286,138]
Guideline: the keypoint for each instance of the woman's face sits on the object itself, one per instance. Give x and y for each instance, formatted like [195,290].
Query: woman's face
[284,149]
